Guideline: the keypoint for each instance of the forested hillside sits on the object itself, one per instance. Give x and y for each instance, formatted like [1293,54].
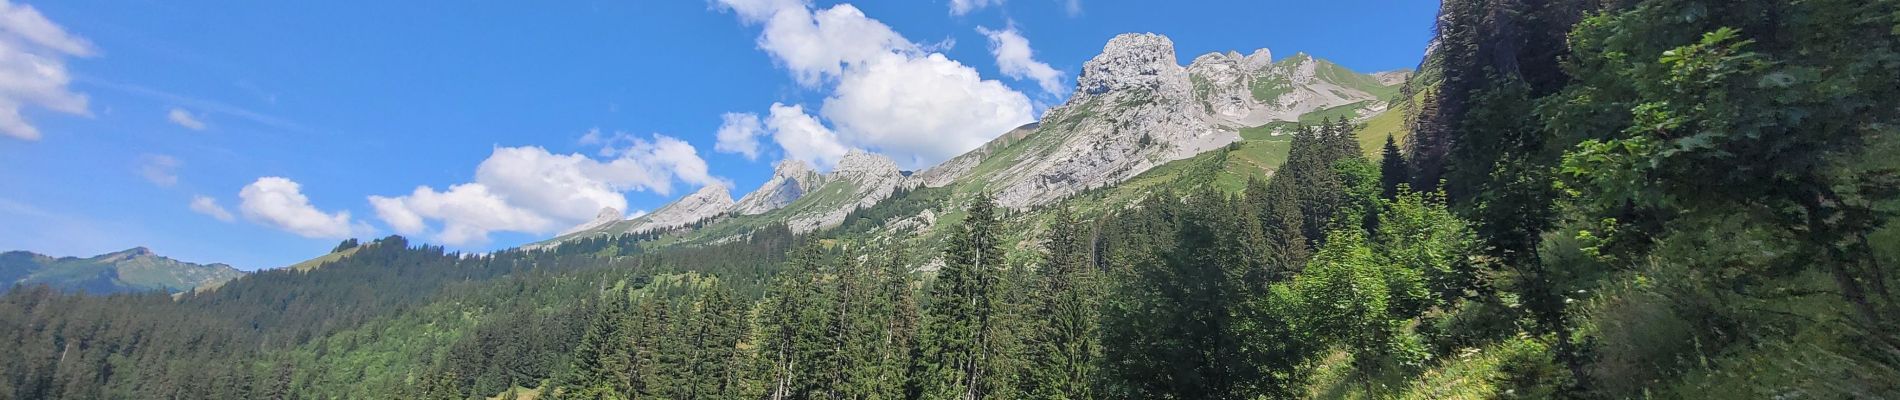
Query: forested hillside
[1623,199]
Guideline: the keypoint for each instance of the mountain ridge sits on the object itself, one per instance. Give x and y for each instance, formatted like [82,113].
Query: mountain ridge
[1135,107]
[137,269]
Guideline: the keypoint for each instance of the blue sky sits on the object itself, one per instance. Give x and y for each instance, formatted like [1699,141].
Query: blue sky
[261,133]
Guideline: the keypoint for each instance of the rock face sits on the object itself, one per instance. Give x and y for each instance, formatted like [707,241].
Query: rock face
[608,215]
[708,202]
[791,179]
[1134,109]
[1225,81]
[1393,77]
[1253,90]
[861,179]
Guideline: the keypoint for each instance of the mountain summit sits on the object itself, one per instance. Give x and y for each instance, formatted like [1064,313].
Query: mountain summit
[1133,109]
[136,269]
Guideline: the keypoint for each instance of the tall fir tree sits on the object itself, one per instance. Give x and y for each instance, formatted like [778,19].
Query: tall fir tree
[963,321]
[1065,348]
[1394,172]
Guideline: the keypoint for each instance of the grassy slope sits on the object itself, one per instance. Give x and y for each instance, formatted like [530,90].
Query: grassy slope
[314,263]
[137,274]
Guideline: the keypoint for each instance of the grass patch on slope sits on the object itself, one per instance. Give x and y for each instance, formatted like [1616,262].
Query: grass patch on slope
[314,263]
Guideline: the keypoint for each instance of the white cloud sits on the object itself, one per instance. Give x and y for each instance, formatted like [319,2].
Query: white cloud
[1073,7]
[279,203]
[209,206]
[888,93]
[159,169]
[739,133]
[1017,61]
[960,7]
[528,189]
[820,45]
[468,213]
[923,110]
[185,119]
[803,137]
[33,52]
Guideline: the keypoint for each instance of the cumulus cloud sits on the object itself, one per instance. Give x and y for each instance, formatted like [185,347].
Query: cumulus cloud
[33,53]
[159,169]
[888,93]
[739,133]
[279,202]
[185,119]
[468,213]
[529,189]
[208,206]
[818,45]
[1017,61]
[803,137]
[960,7]
[925,109]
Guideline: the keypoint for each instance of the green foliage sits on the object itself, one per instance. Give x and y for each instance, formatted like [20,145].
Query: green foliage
[965,349]
[1418,235]
[1065,348]
[1350,298]
[1192,315]
[1394,173]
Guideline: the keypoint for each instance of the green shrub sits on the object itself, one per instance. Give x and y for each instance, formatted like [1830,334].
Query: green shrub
[1468,324]
[1528,370]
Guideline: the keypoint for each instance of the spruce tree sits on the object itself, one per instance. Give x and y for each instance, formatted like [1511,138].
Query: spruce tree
[962,322]
[1065,347]
[1393,170]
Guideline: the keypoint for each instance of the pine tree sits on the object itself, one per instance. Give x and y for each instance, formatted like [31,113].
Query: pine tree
[1188,317]
[1281,222]
[715,335]
[962,323]
[900,322]
[1065,347]
[793,316]
[1394,172]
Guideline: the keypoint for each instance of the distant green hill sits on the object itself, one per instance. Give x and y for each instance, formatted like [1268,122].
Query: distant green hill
[132,270]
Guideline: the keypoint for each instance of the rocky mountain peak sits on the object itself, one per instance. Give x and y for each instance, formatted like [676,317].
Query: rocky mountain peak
[1132,61]
[712,194]
[859,162]
[707,202]
[1259,60]
[606,216]
[607,213]
[1251,64]
[791,179]
[1134,108]
[792,168]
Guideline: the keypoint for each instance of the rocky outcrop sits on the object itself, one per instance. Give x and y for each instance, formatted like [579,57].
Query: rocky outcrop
[861,179]
[1134,109]
[607,215]
[790,180]
[1253,90]
[1224,83]
[708,202]
[1393,77]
